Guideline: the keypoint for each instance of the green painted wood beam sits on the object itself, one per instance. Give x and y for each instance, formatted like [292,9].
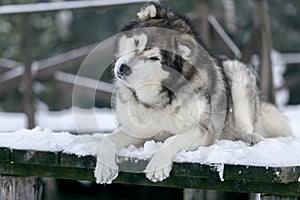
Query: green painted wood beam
[237,178]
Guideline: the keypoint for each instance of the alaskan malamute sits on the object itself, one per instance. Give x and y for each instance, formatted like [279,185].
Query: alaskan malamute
[170,88]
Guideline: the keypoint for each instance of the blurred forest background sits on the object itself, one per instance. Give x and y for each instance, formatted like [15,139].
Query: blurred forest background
[53,33]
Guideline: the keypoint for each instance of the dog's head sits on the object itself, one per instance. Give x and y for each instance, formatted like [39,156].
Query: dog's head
[157,54]
[138,65]
[152,65]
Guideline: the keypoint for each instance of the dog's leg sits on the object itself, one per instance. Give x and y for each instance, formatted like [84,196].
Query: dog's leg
[106,167]
[160,164]
[245,100]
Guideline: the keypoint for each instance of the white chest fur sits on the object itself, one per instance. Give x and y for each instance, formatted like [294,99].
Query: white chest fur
[175,118]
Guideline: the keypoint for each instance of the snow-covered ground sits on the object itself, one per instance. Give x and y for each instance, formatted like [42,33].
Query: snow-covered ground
[71,120]
[46,140]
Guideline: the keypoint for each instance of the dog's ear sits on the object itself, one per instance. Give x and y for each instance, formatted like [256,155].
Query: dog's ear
[127,44]
[184,45]
[150,10]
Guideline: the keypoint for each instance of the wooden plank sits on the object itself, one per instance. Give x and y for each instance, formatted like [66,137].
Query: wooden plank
[218,40]
[85,82]
[103,90]
[35,157]
[7,64]
[278,181]
[10,80]
[4,154]
[220,34]
[289,189]
[71,173]
[71,160]
[291,81]
[57,6]
[231,172]
[62,61]
[291,58]
[45,68]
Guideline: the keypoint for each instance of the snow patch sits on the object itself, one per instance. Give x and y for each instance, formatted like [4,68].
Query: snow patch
[143,153]
[71,120]
[45,140]
[273,152]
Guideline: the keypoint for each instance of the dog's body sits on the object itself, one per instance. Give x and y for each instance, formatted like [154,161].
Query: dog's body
[171,89]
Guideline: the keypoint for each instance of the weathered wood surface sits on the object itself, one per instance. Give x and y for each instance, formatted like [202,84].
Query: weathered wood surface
[237,178]
[18,188]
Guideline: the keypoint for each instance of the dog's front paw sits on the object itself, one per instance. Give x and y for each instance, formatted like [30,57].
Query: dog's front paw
[158,174]
[252,138]
[147,12]
[106,166]
[158,169]
[105,173]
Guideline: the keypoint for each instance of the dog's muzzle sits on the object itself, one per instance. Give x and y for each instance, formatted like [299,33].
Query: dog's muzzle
[123,70]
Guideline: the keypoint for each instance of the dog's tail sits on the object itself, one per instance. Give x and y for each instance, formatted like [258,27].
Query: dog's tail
[275,124]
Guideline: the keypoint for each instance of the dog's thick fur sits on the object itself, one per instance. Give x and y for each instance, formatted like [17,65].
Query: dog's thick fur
[184,97]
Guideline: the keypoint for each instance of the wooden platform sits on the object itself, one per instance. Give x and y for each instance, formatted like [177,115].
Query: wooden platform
[268,180]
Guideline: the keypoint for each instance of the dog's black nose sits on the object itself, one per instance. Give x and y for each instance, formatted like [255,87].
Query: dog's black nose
[124,70]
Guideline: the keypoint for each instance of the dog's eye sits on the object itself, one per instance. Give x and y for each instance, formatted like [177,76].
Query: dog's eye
[153,58]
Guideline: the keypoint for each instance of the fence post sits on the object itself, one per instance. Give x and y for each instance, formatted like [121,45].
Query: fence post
[262,27]
[16,188]
[202,24]
[26,84]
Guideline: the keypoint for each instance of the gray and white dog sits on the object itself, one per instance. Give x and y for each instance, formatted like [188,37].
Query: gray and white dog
[170,88]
